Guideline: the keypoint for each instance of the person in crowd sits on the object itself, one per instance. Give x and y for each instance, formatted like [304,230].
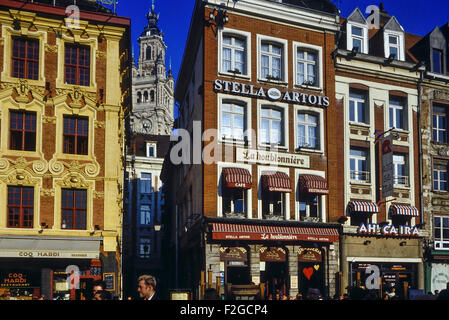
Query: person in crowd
[101,295]
[444,294]
[437,292]
[146,287]
[99,285]
[299,296]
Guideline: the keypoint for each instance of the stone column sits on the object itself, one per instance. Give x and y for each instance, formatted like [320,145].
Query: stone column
[213,262]
[333,266]
[293,268]
[254,261]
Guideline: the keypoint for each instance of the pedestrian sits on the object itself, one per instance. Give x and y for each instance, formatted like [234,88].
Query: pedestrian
[444,294]
[146,287]
[299,296]
[99,285]
[314,294]
[437,292]
[41,297]
[101,295]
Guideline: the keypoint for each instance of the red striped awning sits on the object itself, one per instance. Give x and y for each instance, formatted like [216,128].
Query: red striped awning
[225,231]
[237,178]
[310,183]
[363,206]
[276,181]
[404,210]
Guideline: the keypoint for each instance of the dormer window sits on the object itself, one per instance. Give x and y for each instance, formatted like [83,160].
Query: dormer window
[357,38]
[437,57]
[394,42]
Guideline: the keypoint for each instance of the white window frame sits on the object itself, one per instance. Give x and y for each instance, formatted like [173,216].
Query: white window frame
[150,145]
[440,242]
[284,58]
[437,128]
[400,45]
[321,198]
[284,109]
[141,247]
[246,102]
[404,109]
[396,164]
[357,158]
[319,112]
[142,181]
[147,214]
[439,180]
[319,70]
[236,33]
[220,166]
[356,115]
[364,38]
[260,189]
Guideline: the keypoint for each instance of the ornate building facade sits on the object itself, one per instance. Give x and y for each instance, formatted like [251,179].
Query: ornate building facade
[64,95]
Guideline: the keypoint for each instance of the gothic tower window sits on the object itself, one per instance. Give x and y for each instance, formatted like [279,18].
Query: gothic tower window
[148,53]
[152,95]
[145,96]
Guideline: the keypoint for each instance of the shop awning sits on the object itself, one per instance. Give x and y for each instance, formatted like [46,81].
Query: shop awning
[276,181]
[237,178]
[310,183]
[404,210]
[363,206]
[225,231]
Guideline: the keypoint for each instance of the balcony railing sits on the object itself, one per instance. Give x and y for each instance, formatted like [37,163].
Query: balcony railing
[401,181]
[360,176]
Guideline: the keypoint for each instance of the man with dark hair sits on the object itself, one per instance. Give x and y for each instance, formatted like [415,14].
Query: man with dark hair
[100,285]
[444,294]
[146,287]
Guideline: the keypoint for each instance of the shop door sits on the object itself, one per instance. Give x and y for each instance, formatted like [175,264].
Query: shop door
[274,271]
[235,263]
[310,270]
[238,275]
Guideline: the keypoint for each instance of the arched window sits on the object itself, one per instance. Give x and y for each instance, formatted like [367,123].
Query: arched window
[148,53]
[139,97]
[152,95]
[145,96]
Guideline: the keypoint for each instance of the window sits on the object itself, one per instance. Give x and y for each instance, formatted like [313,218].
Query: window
[307,67]
[309,207]
[148,53]
[152,96]
[439,124]
[234,54]
[271,126]
[441,232]
[359,166]
[273,203]
[440,177]
[151,150]
[77,65]
[145,215]
[234,200]
[76,133]
[393,45]
[358,39]
[232,121]
[358,107]
[400,170]
[271,61]
[400,220]
[437,61]
[139,97]
[308,131]
[74,209]
[20,207]
[22,131]
[144,248]
[357,218]
[397,114]
[25,58]
[145,183]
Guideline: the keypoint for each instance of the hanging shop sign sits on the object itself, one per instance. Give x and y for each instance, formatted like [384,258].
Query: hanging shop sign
[272,254]
[18,279]
[272,94]
[388,230]
[233,254]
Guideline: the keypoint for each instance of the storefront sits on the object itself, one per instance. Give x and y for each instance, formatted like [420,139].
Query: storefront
[51,266]
[286,258]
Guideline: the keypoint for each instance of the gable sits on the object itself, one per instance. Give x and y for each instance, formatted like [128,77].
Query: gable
[357,17]
[393,25]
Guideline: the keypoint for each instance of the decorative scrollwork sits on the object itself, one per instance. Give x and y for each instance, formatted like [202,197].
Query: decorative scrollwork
[40,166]
[91,169]
[56,167]
[4,164]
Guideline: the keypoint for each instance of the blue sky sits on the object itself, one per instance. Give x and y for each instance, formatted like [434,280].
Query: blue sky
[417,17]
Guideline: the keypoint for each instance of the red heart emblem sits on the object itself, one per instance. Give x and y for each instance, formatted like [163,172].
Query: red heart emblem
[308,272]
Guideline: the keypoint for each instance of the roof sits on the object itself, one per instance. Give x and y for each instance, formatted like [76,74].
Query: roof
[319,5]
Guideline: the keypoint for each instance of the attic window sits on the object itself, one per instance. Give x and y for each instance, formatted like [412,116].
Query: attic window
[437,61]
[357,38]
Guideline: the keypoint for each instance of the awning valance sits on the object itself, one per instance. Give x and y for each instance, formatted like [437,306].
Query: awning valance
[310,183]
[237,178]
[363,207]
[404,210]
[226,231]
[276,181]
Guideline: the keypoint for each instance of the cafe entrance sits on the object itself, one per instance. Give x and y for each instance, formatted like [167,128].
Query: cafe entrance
[274,271]
[311,270]
[234,261]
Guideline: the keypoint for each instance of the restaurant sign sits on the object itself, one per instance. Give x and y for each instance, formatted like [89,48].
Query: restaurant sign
[272,158]
[45,254]
[272,94]
[388,230]
[16,279]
